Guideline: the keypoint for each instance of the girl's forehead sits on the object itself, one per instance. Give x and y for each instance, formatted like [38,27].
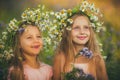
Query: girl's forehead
[81,20]
[31,29]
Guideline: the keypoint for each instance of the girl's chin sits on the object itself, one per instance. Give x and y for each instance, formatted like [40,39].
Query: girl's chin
[35,52]
[80,43]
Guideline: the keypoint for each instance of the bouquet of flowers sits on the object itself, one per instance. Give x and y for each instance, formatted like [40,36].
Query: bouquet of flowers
[77,74]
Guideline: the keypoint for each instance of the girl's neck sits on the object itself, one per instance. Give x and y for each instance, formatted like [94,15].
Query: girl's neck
[32,62]
[78,48]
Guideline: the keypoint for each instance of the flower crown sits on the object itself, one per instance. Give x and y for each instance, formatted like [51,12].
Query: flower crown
[41,18]
[63,17]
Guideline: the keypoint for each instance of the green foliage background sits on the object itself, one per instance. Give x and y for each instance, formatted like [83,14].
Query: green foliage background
[110,39]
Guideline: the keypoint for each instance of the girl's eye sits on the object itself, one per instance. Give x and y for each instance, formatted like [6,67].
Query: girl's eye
[39,37]
[86,27]
[76,28]
[29,37]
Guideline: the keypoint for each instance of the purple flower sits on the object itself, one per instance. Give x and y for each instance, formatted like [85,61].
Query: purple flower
[21,30]
[86,52]
[78,74]
[85,49]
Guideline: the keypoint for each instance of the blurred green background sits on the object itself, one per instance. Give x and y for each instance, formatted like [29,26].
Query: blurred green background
[110,39]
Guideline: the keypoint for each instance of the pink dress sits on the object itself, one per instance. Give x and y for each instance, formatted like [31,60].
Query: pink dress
[42,73]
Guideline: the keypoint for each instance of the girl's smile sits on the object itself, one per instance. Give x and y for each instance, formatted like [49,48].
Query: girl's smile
[36,47]
[82,37]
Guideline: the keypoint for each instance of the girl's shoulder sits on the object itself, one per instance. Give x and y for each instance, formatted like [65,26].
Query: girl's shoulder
[12,68]
[97,57]
[42,64]
[59,56]
[59,60]
[47,68]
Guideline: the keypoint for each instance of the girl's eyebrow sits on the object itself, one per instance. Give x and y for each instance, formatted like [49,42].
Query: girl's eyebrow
[27,36]
[31,34]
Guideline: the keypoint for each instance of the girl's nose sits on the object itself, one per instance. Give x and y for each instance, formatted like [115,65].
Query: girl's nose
[81,30]
[36,39]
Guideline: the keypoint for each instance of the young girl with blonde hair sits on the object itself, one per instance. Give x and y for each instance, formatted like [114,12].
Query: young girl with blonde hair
[79,48]
[23,43]
[26,64]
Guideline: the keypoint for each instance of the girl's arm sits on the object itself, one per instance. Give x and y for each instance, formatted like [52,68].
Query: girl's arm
[59,61]
[100,68]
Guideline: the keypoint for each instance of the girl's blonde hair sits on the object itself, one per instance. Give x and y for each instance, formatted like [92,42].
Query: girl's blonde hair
[67,47]
[17,72]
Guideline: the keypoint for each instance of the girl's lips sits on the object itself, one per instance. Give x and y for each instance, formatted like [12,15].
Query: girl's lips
[36,46]
[82,37]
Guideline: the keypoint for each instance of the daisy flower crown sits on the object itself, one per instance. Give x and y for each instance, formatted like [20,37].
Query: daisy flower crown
[40,16]
[63,17]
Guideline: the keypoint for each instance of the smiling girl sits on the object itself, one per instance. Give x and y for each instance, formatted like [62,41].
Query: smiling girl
[79,48]
[23,41]
[26,64]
